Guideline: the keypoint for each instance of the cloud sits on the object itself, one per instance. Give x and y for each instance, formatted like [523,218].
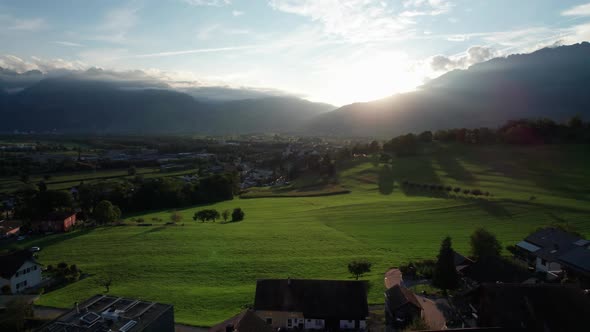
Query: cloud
[475,54]
[194,51]
[215,3]
[20,65]
[21,24]
[216,30]
[353,20]
[67,43]
[116,24]
[426,7]
[581,10]
[237,13]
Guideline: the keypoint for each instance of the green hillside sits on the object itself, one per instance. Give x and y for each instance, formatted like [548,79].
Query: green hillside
[208,271]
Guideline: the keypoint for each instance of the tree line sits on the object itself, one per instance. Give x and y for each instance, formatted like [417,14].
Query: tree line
[129,195]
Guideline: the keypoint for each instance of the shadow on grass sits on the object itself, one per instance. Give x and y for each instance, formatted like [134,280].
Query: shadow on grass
[151,230]
[385,180]
[43,241]
[494,208]
[453,168]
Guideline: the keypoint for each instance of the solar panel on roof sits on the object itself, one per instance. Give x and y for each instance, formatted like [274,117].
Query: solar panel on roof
[90,318]
[581,242]
[130,324]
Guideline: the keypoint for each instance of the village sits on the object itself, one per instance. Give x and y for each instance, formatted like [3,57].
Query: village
[493,293]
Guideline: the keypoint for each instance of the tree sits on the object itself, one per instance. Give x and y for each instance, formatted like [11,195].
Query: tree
[105,282]
[237,215]
[225,215]
[5,290]
[131,171]
[175,217]
[106,212]
[484,244]
[457,190]
[358,268]
[206,215]
[445,274]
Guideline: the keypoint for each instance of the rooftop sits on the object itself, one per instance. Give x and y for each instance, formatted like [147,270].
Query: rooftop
[12,261]
[553,242]
[108,313]
[399,296]
[342,299]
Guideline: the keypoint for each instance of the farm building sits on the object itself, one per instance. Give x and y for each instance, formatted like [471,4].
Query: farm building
[56,222]
[333,305]
[19,270]
[401,306]
[245,321]
[111,313]
[9,228]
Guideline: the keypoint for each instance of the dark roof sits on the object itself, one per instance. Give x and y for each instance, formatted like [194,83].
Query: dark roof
[541,307]
[459,259]
[245,321]
[314,298]
[11,262]
[59,216]
[553,243]
[90,318]
[398,296]
[493,269]
[577,259]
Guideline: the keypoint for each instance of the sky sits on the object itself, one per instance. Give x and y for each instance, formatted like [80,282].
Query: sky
[331,51]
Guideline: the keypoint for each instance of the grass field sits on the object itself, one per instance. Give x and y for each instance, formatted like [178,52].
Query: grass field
[208,271]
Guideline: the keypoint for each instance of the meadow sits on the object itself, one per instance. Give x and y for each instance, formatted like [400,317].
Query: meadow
[209,270]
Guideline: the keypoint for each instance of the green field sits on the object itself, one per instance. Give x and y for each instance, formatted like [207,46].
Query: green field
[208,271]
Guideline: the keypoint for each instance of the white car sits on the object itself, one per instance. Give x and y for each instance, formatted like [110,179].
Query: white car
[34,249]
[20,238]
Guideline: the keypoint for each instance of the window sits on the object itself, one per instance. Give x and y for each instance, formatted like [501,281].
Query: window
[35,267]
[543,262]
[318,322]
[289,322]
[308,320]
[269,321]
[17,274]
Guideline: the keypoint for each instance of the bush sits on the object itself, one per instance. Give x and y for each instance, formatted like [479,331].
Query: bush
[237,215]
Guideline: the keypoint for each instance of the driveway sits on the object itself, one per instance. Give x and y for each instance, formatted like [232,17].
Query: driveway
[392,277]
[433,314]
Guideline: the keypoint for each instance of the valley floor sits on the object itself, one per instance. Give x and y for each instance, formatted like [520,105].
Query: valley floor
[209,270]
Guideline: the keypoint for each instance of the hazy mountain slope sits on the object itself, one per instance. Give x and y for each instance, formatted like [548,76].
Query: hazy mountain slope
[71,105]
[547,83]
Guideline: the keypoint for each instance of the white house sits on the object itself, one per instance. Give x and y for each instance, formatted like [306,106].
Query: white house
[19,270]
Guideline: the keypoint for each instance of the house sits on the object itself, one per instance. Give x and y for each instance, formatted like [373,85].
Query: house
[544,248]
[56,222]
[401,306]
[111,313]
[326,305]
[540,307]
[460,261]
[9,228]
[245,321]
[19,270]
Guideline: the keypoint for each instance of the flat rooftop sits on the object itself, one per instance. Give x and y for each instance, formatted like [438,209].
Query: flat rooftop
[108,313]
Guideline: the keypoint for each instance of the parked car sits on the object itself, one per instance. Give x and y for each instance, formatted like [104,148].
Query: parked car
[20,238]
[34,249]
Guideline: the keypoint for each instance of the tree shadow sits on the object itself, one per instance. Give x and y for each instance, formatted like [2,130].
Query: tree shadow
[385,180]
[43,241]
[454,168]
[151,230]
[494,208]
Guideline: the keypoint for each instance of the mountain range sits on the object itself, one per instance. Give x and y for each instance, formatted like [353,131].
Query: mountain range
[551,82]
